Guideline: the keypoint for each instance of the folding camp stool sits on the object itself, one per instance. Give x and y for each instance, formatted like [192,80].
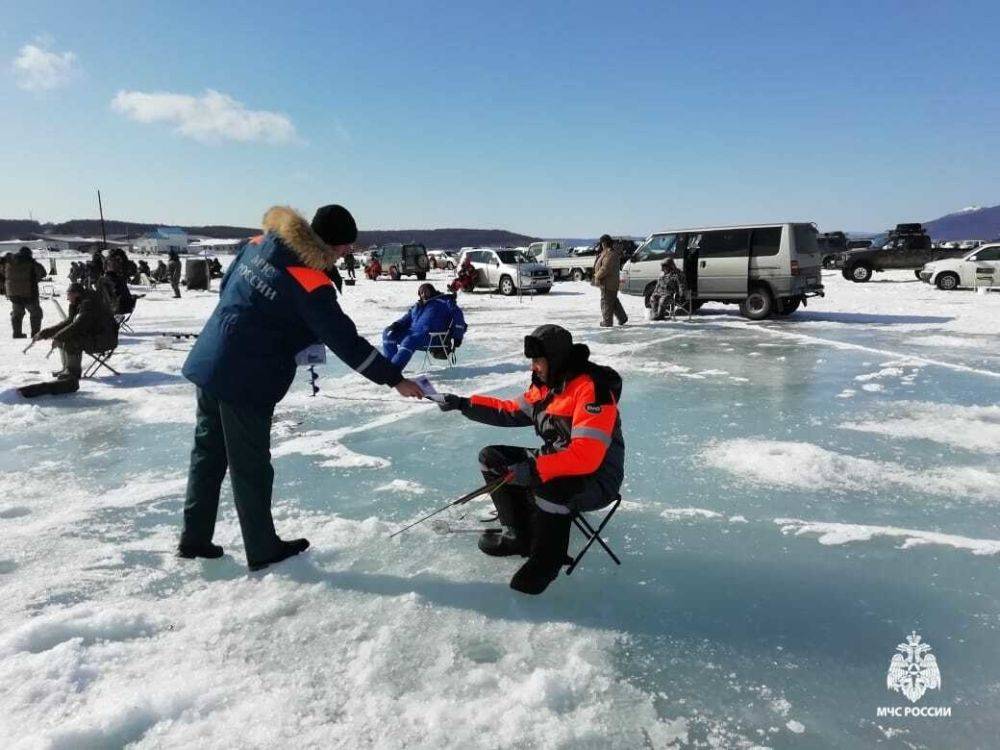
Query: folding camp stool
[593,535]
[440,340]
[100,359]
[122,321]
[685,306]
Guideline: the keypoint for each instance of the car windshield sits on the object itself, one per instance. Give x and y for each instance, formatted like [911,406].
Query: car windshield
[513,256]
[657,247]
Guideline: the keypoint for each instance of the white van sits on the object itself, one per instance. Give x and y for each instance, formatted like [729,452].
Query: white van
[765,268]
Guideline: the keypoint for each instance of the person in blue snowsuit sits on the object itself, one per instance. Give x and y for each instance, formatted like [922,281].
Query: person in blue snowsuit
[434,312]
[275,300]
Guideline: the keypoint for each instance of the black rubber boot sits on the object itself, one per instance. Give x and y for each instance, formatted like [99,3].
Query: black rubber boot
[191,551]
[549,544]
[514,514]
[288,548]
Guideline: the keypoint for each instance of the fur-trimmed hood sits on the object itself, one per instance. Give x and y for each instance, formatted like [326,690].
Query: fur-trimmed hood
[294,231]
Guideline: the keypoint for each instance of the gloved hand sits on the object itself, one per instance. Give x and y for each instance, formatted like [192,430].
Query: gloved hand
[453,402]
[523,474]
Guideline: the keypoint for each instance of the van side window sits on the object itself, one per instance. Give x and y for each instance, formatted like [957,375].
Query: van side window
[723,243]
[658,247]
[765,242]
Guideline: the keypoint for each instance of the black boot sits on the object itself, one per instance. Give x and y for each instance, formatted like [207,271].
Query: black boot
[191,551]
[287,549]
[514,513]
[549,544]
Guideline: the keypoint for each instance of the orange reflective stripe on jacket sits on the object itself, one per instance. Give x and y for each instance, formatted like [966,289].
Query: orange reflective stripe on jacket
[309,278]
[591,430]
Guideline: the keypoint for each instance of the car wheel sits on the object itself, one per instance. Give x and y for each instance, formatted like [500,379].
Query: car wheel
[861,273]
[421,275]
[947,281]
[758,305]
[789,305]
[393,273]
[507,287]
[578,274]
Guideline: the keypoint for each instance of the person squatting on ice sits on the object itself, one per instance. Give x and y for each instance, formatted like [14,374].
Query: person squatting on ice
[670,288]
[274,301]
[433,312]
[465,281]
[22,274]
[573,405]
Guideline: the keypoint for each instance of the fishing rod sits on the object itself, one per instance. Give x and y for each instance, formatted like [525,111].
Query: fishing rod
[484,490]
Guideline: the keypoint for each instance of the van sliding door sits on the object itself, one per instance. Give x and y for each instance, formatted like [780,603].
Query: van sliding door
[723,255]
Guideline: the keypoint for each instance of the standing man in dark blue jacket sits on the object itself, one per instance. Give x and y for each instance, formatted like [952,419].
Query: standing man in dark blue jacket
[275,300]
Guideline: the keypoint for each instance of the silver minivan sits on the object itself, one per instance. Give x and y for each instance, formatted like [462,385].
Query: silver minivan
[764,268]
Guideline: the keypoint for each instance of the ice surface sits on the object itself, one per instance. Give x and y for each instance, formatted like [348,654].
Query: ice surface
[783,529]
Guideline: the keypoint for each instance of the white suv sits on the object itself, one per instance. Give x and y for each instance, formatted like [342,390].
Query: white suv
[981,267]
[509,271]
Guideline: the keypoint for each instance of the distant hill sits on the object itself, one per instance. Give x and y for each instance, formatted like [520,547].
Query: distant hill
[968,224]
[433,238]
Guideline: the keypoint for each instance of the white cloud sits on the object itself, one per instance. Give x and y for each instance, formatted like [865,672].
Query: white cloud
[208,118]
[38,69]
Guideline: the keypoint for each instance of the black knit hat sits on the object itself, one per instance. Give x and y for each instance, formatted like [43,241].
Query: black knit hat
[335,225]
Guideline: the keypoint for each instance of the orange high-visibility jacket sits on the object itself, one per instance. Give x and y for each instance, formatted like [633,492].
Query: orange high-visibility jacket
[582,433]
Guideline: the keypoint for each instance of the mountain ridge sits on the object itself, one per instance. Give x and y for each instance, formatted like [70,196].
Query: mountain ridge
[448,238]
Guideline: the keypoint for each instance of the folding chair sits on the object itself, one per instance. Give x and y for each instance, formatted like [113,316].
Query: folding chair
[122,321]
[100,359]
[440,346]
[593,535]
[684,306]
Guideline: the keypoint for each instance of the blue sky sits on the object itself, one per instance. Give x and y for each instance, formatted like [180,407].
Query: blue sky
[566,119]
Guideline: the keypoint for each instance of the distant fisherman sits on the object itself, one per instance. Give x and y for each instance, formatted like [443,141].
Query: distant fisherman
[274,301]
[573,405]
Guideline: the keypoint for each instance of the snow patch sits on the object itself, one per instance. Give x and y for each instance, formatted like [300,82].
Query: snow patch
[832,533]
[404,486]
[792,465]
[971,428]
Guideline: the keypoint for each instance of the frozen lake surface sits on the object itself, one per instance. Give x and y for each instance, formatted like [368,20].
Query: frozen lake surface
[801,494]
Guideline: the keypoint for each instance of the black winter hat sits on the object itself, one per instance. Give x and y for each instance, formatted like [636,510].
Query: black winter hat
[335,225]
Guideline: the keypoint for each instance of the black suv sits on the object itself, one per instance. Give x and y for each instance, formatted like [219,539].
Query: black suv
[403,260]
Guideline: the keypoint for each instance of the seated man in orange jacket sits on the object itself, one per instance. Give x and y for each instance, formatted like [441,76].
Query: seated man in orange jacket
[573,405]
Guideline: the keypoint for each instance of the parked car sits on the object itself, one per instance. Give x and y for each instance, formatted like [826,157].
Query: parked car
[908,246]
[767,269]
[399,260]
[981,267]
[509,271]
[442,259]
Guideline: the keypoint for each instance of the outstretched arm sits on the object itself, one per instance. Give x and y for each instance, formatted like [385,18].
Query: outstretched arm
[322,314]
